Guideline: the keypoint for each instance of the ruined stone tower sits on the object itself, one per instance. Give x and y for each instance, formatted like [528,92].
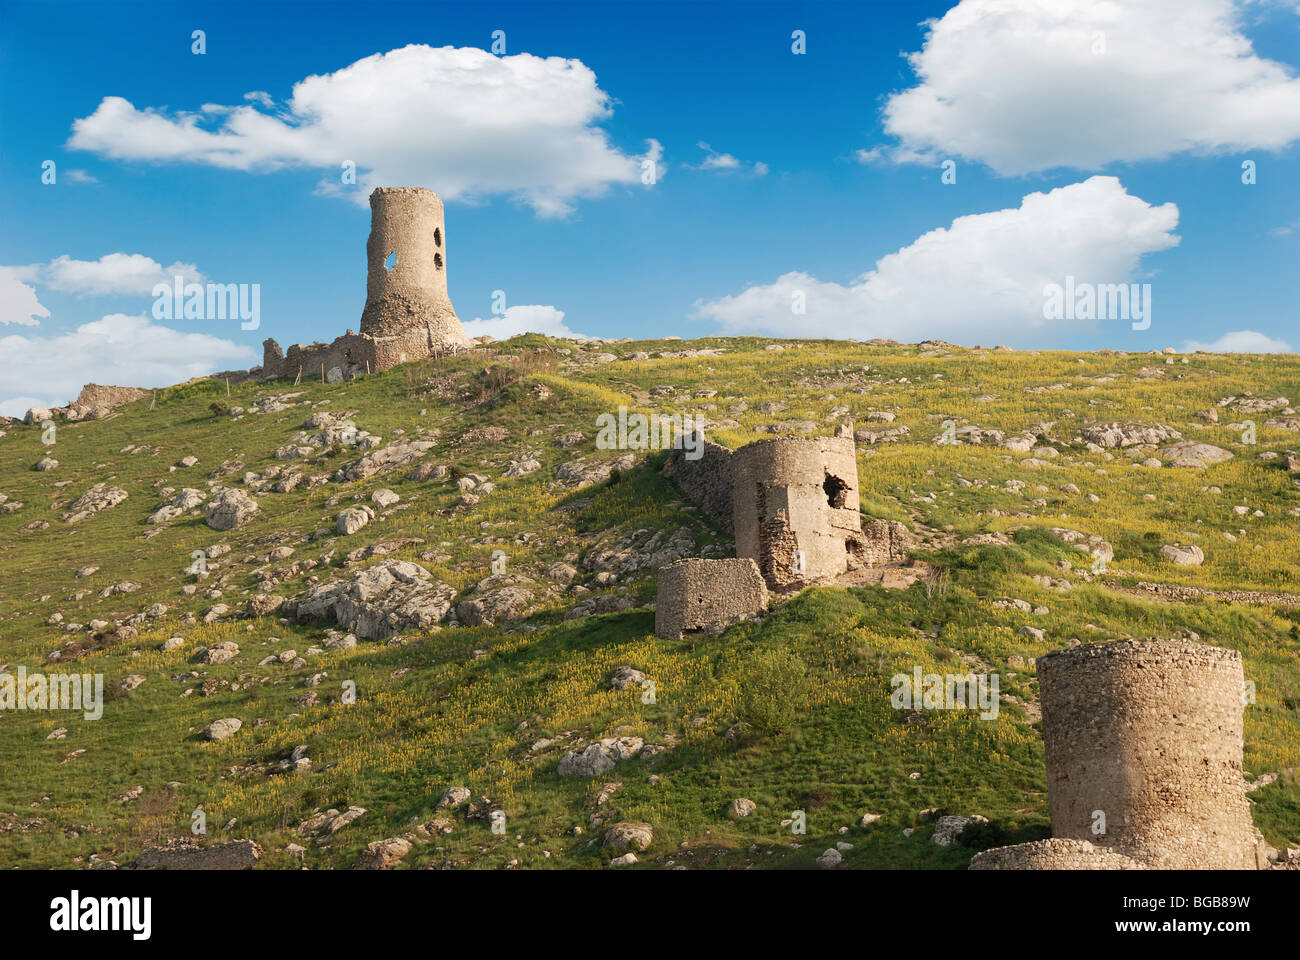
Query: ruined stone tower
[797,494]
[407,311]
[1148,735]
[407,314]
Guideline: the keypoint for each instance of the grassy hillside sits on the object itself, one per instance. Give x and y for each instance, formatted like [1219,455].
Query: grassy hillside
[462,706]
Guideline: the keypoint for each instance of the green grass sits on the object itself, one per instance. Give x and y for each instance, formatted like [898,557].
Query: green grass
[463,706]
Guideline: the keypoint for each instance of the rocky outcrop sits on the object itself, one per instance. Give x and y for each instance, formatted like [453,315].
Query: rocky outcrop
[388,598]
[394,456]
[883,435]
[322,826]
[98,400]
[583,473]
[1129,434]
[222,652]
[640,550]
[352,519]
[221,729]
[497,599]
[1249,403]
[1194,455]
[187,499]
[1088,543]
[599,757]
[99,497]
[740,807]
[383,854]
[1184,556]
[229,508]
[629,836]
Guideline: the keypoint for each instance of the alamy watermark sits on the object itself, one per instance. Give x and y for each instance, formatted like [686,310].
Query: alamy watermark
[636,431]
[1098,301]
[75,913]
[211,301]
[54,691]
[951,691]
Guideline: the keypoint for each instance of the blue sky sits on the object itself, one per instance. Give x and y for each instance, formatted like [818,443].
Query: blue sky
[821,178]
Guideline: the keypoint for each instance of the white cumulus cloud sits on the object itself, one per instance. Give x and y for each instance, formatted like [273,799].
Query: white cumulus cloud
[1028,85]
[727,162]
[981,279]
[18,301]
[114,273]
[119,349]
[1240,341]
[525,318]
[458,120]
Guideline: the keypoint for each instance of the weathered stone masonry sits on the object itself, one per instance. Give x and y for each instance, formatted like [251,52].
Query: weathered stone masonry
[407,315]
[1149,733]
[706,480]
[1053,854]
[697,594]
[786,494]
[797,494]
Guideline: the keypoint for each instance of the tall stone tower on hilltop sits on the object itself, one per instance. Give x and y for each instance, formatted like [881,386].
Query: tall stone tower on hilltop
[407,309]
[407,315]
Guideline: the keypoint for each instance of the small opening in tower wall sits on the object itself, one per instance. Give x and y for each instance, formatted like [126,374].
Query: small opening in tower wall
[437,237]
[437,260]
[836,489]
[391,260]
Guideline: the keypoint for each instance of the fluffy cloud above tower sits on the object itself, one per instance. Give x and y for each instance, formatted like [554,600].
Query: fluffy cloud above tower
[457,119]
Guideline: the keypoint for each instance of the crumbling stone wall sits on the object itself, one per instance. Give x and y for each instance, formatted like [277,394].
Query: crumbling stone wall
[797,494]
[709,482]
[343,359]
[706,481]
[1053,854]
[408,314]
[1149,734]
[697,594]
[884,542]
[189,855]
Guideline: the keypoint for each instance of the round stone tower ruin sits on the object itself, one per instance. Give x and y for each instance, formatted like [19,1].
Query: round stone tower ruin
[795,508]
[1149,734]
[407,312]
